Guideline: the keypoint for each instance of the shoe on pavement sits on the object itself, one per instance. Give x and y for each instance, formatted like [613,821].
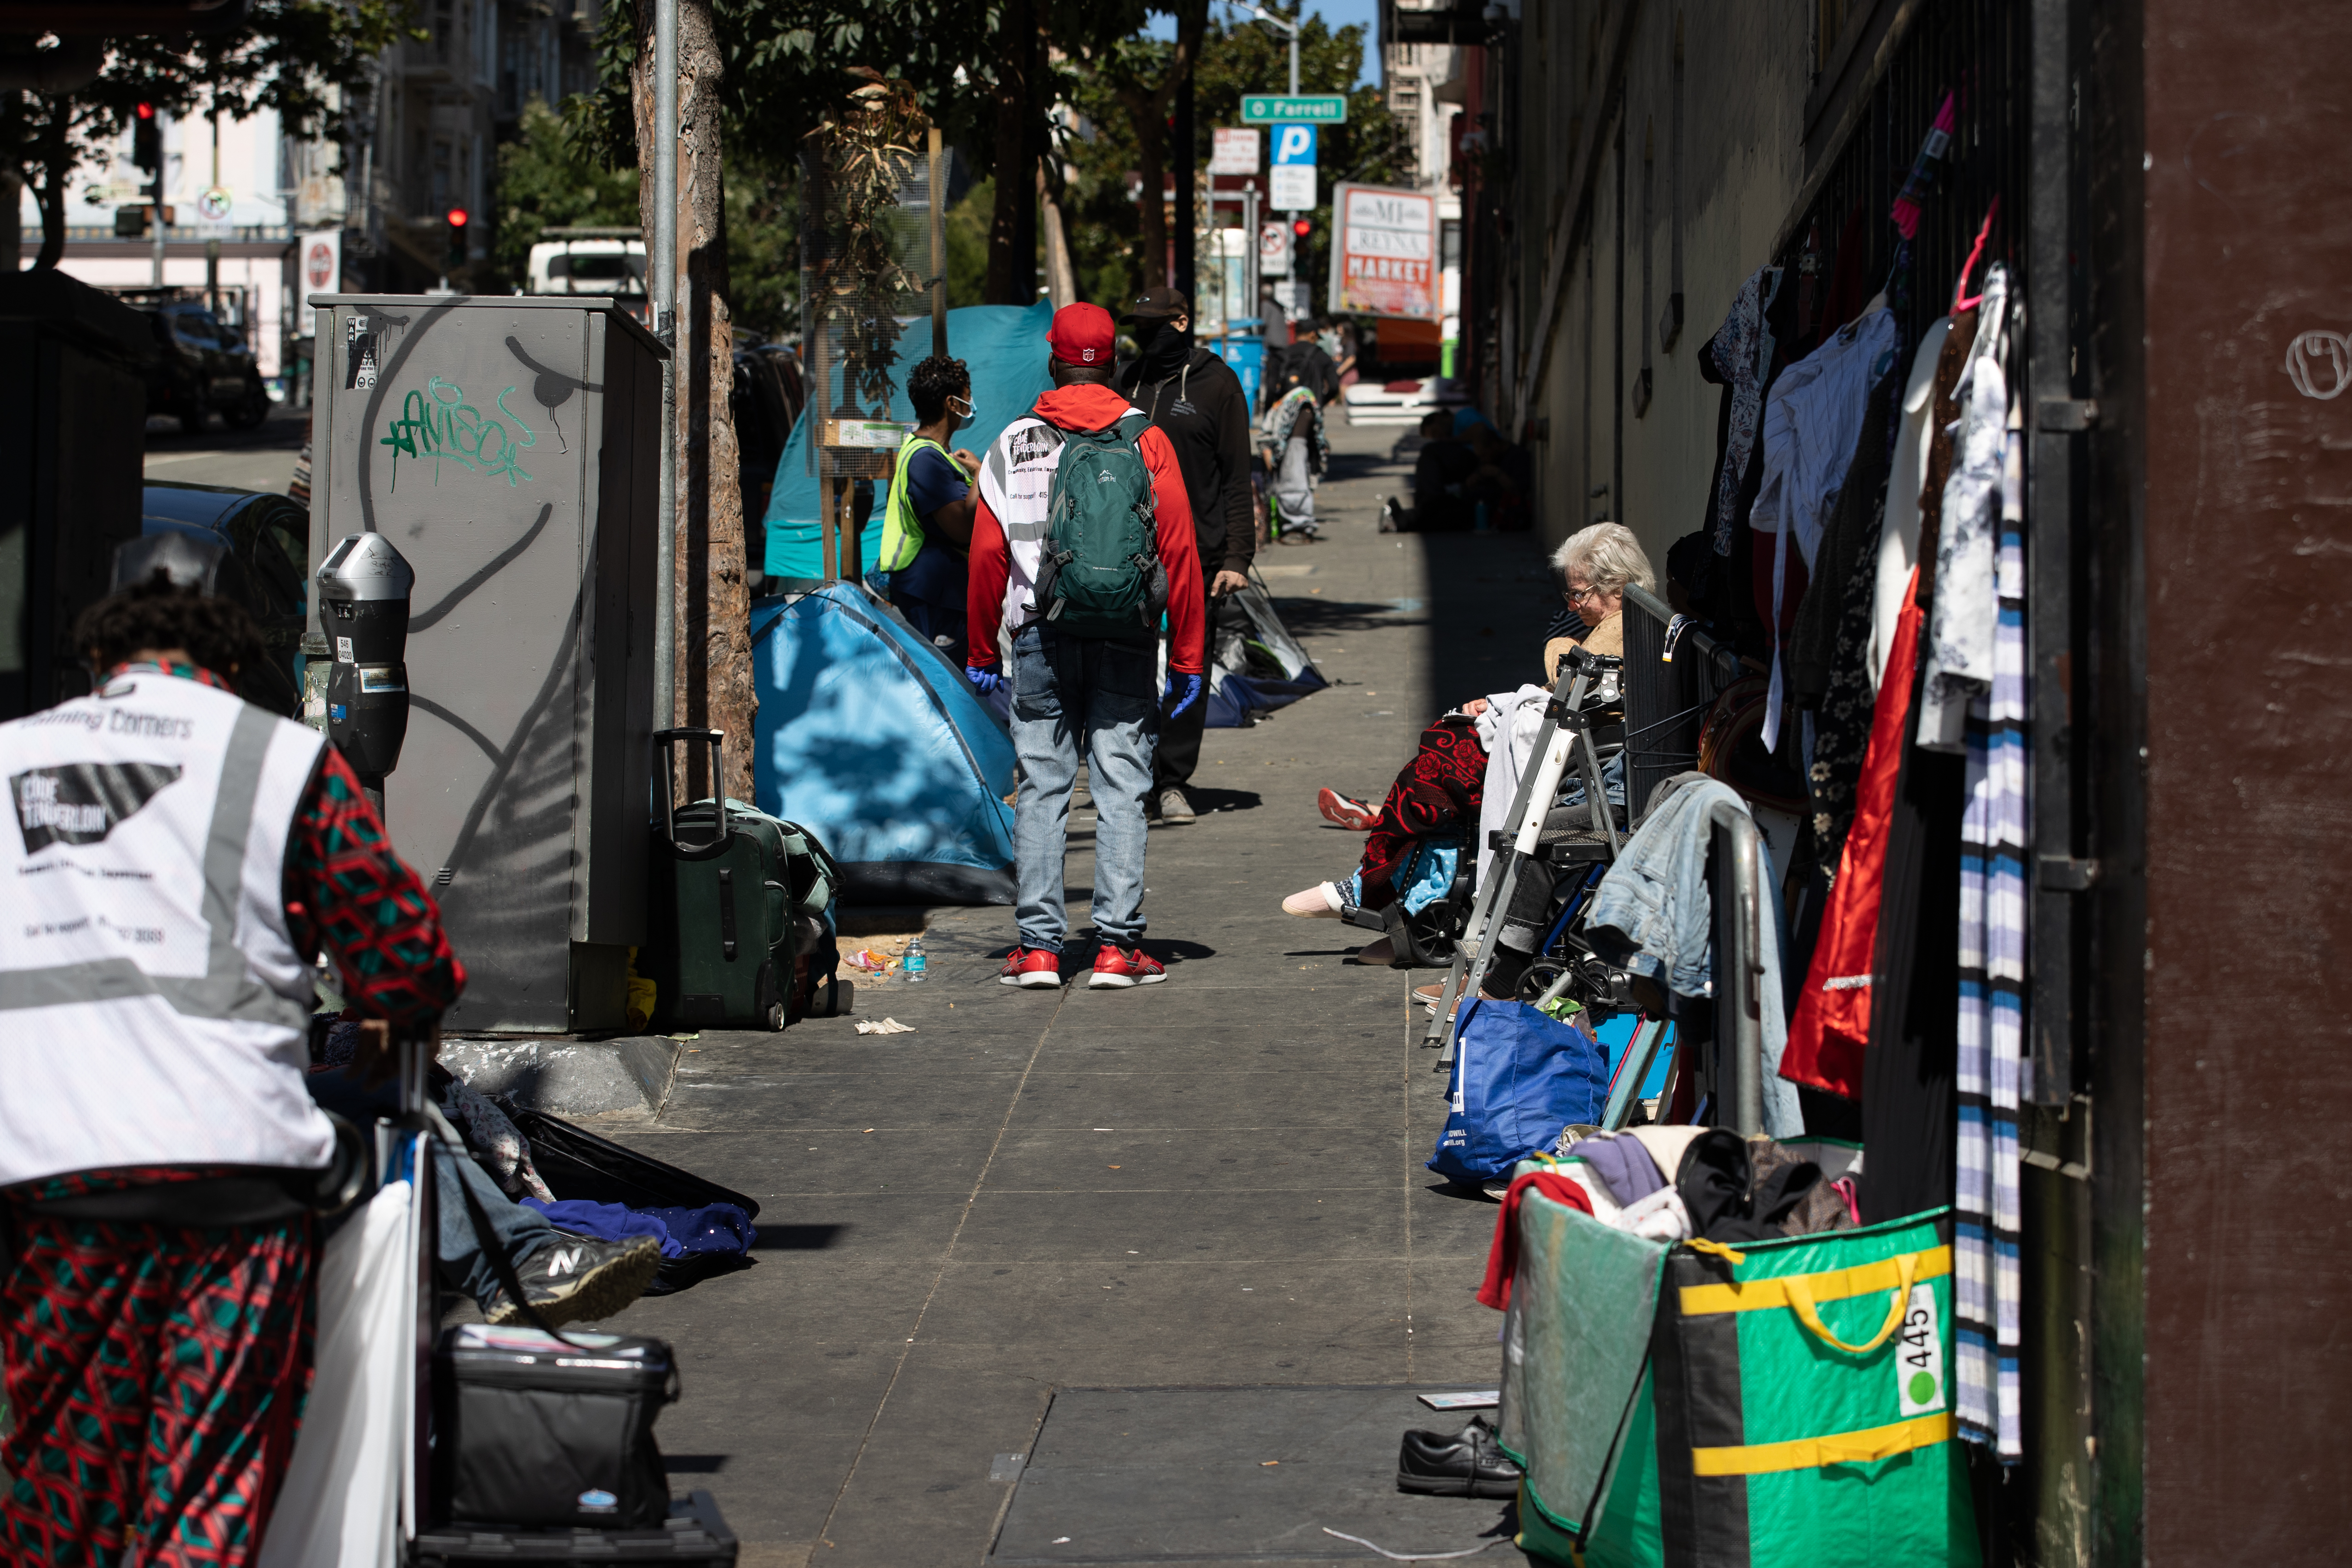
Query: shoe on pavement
[1347,811]
[573,1278]
[1032,967]
[1173,805]
[1468,1463]
[1116,968]
[1319,902]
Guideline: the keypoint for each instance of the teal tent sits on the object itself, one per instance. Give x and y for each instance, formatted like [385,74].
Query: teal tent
[867,737]
[1004,347]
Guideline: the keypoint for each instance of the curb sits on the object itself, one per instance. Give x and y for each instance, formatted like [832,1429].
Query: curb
[569,1078]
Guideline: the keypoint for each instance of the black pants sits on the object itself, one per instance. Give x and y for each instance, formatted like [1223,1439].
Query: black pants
[1180,734]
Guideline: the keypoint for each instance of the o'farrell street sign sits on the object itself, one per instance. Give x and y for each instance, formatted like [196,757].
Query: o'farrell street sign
[1305,108]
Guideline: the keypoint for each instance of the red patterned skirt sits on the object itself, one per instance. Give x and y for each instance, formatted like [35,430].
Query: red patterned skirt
[1438,791]
[157,1374]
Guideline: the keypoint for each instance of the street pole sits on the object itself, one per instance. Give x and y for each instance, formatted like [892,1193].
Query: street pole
[160,162]
[661,315]
[1294,59]
[939,195]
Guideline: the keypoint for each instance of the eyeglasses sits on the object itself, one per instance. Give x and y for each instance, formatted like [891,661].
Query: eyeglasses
[1577,595]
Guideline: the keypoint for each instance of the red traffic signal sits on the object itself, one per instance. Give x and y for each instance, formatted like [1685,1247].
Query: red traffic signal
[1302,227]
[146,111]
[456,217]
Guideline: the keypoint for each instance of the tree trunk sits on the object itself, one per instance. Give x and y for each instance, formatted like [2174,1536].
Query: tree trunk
[710,594]
[1061,276]
[1012,277]
[1150,138]
[57,168]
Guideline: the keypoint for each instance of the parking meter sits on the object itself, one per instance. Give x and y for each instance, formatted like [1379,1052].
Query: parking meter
[363,589]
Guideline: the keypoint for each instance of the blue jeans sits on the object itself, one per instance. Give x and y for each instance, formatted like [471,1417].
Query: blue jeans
[518,1231]
[1067,690]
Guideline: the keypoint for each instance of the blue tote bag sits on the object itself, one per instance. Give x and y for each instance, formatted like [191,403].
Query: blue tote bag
[1518,1079]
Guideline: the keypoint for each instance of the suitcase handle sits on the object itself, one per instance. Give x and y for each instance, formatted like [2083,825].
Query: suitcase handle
[664,743]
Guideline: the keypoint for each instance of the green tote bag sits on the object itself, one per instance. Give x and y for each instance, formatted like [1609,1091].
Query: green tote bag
[1796,1410]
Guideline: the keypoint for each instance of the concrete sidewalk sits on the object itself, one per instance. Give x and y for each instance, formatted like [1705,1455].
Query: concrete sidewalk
[1213,1182]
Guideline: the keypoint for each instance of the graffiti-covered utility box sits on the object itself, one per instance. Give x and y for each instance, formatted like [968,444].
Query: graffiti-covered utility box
[509,447]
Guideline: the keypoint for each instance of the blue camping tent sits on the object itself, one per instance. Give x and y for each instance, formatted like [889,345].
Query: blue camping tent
[1004,347]
[869,737]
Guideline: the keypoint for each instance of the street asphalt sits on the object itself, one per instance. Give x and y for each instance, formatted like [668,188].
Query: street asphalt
[1215,1183]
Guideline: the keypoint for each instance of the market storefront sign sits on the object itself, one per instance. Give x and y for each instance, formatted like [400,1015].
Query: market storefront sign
[1384,252]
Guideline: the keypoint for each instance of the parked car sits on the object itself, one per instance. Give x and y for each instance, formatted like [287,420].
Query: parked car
[268,537]
[201,368]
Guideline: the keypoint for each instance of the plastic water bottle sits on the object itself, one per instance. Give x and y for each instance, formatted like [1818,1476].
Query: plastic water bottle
[916,965]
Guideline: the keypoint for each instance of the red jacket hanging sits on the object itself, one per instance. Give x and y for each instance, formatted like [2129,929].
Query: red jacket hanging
[1832,1028]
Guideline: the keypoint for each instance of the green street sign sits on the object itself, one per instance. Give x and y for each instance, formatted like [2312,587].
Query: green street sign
[1305,108]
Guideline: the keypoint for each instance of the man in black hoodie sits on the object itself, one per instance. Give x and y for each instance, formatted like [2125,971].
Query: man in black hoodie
[1197,402]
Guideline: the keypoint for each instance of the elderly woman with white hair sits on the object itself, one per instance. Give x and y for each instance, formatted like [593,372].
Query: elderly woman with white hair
[1415,836]
[1595,563]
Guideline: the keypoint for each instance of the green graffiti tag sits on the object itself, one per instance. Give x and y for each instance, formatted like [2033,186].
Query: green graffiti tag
[439,423]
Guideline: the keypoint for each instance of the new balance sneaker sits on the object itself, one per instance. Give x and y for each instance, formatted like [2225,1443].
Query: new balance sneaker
[1347,811]
[1119,967]
[573,1278]
[1031,967]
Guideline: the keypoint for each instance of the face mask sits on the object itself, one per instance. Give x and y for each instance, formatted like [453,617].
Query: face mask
[1165,350]
[968,417]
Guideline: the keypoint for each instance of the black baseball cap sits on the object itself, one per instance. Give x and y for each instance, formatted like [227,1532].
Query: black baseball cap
[1157,305]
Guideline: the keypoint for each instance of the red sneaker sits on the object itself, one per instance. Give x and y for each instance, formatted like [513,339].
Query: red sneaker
[1117,967]
[1028,966]
[1347,811]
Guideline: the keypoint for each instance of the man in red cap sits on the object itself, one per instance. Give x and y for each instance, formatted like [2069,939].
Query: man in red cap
[1084,625]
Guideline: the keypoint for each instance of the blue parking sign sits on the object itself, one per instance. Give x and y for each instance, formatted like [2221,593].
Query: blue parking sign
[1294,144]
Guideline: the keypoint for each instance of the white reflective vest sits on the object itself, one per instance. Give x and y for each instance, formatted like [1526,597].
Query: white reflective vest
[153,1008]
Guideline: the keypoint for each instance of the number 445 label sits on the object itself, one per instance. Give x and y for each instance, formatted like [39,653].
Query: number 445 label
[1919,1355]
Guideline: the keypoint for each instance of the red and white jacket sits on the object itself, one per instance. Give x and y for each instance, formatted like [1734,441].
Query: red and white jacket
[1009,525]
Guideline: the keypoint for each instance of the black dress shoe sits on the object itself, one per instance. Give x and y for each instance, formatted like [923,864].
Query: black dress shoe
[1467,1463]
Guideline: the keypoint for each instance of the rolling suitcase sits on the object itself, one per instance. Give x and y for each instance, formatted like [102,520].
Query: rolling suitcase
[722,928]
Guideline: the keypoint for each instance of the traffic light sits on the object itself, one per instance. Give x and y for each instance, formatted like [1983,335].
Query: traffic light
[455,261]
[1301,226]
[147,145]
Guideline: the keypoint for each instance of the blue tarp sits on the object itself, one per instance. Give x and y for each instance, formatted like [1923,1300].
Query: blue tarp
[868,738]
[1004,347]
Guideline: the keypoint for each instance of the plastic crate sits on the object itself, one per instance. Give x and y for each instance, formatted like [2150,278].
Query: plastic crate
[694,1532]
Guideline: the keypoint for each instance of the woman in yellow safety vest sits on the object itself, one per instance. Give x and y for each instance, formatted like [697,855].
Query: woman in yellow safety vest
[927,526]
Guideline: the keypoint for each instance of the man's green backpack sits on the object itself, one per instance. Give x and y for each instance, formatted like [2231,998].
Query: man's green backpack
[1101,574]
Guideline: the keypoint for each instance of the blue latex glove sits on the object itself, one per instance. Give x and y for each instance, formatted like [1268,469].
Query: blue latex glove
[983,679]
[1189,685]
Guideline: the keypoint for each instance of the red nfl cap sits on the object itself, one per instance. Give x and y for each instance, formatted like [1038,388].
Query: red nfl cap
[1083,334]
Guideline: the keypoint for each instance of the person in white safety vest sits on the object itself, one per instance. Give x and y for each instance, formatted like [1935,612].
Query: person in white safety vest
[175,857]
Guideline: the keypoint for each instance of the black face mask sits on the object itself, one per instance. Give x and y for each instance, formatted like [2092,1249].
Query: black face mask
[1163,352]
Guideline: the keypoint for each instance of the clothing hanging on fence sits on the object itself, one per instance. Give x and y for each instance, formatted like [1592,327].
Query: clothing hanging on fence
[1831,1027]
[1995,847]
[1841,721]
[1907,1091]
[1899,537]
[1739,356]
[1958,645]
[1811,418]
[1850,533]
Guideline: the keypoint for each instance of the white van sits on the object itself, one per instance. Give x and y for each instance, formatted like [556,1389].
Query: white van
[590,261]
